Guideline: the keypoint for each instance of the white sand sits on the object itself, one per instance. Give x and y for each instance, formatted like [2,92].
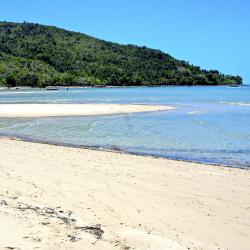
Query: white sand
[40,110]
[140,202]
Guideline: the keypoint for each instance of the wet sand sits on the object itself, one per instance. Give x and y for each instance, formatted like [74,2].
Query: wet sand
[46,110]
[55,197]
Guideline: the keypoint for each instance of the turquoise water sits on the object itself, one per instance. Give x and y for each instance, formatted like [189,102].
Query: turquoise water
[210,124]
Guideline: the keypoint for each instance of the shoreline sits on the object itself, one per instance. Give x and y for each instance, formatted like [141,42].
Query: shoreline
[118,150]
[59,197]
[23,88]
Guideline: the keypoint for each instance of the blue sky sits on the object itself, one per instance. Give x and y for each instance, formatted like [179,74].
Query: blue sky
[214,34]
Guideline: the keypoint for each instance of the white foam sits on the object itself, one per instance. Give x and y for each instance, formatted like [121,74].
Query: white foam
[236,103]
[193,112]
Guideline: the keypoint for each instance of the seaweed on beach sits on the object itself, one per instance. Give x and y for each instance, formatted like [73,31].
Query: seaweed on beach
[65,217]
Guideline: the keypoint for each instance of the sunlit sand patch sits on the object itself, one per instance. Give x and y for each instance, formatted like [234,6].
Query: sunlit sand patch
[45,110]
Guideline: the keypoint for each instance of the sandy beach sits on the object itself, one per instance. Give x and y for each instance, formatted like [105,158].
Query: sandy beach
[55,197]
[45,110]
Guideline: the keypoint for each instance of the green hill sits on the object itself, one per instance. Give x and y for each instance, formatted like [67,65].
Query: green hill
[38,55]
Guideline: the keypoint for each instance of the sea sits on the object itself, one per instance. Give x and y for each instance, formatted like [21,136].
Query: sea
[209,125]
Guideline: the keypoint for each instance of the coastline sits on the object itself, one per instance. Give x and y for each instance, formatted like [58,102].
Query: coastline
[23,88]
[120,151]
[139,201]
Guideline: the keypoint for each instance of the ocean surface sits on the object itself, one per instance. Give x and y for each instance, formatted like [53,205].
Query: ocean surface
[210,124]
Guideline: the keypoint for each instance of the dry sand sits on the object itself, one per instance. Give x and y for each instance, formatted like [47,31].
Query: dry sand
[54,197]
[41,110]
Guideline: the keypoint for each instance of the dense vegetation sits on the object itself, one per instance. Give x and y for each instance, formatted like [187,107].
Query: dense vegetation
[38,55]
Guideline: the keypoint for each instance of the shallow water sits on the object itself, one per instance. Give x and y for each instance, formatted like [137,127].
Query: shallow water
[210,124]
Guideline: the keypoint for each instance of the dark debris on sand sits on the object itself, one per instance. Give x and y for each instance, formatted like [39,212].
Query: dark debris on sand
[96,230]
[64,217]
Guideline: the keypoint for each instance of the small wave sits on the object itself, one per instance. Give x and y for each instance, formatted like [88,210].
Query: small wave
[193,112]
[236,103]
[58,101]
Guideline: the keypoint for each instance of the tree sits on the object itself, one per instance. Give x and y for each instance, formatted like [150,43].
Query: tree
[43,55]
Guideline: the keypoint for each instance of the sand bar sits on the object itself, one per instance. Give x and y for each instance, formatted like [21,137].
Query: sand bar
[45,110]
[54,197]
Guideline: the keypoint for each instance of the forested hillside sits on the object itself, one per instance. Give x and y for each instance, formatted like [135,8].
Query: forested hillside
[38,55]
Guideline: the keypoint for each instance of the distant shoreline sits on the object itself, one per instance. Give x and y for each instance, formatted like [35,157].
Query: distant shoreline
[4,88]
